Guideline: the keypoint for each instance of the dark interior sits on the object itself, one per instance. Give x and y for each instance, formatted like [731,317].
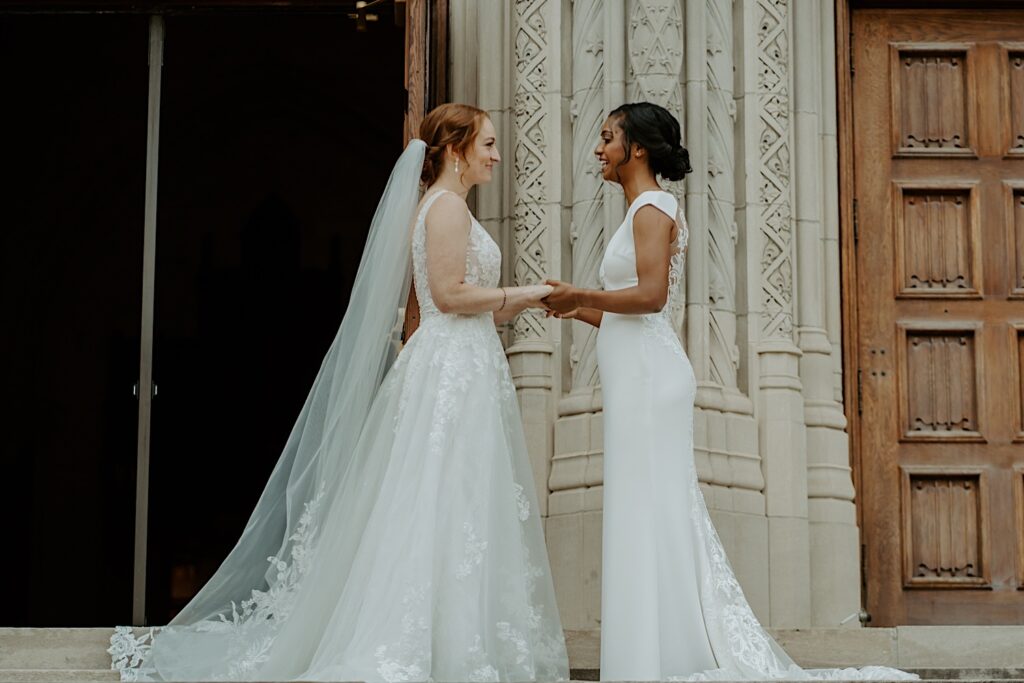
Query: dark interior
[277,134]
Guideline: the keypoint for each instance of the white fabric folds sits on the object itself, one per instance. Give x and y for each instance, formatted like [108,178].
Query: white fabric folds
[400,523]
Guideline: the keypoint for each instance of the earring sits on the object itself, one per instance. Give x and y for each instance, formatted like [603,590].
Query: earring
[456,165]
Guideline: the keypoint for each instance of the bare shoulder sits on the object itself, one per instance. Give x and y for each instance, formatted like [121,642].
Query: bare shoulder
[449,210]
[650,217]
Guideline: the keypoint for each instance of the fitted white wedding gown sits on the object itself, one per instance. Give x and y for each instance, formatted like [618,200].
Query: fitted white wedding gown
[671,607]
[427,561]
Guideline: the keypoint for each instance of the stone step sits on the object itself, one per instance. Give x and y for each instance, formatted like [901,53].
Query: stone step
[980,674]
[57,675]
[592,677]
[969,649]
[77,649]
[946,653]
[940,675]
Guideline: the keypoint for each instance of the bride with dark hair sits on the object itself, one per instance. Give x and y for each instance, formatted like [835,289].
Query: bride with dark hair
[401,522]
[671,607]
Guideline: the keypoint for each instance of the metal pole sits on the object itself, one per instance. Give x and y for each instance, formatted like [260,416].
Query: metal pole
[146,388]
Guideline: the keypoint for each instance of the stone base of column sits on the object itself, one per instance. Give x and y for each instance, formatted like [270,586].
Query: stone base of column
[835,547]
[745,538]
[531,373]
[574,509]
[574,548]
[789,572]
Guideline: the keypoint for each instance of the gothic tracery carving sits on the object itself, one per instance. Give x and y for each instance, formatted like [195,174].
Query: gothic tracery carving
[530,157]
[587,231]
[721,114]
[774,150]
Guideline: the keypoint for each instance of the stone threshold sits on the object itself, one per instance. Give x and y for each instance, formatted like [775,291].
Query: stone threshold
[970,649]
[936,653]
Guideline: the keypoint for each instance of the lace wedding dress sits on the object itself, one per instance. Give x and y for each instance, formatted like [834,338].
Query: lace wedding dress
[671,608]
[423,557]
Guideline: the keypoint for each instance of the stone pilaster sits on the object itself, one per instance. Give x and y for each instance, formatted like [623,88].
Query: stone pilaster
[595,32]
[832,516]
[727,433]
[587,231]
[768,248]
[535,160]
[483,81]
[508,62]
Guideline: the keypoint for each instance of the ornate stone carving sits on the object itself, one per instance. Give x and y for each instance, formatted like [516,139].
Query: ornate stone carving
[774,152]
[655,49]
[721,150]
[655,46]
[587,232]
[530,157]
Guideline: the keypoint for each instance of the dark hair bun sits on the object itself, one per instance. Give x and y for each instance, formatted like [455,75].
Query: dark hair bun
[673,165]
[657,131]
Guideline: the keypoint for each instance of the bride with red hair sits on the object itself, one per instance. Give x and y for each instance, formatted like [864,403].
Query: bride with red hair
[400,523]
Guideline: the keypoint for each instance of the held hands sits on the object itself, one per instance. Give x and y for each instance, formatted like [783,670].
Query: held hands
[533,296]
[568,315]
[563,300]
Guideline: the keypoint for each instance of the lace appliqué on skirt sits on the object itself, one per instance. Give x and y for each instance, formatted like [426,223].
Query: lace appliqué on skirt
[253,623]
[409,658]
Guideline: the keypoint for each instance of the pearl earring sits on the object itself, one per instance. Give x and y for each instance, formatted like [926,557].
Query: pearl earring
[456,165]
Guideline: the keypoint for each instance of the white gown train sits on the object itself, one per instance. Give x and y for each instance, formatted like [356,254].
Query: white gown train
[428,563]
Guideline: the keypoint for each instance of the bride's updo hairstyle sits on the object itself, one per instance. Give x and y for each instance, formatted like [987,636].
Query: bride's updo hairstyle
[657,131]
[448,124]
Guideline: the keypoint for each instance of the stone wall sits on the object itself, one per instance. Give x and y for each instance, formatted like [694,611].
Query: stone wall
[753,83]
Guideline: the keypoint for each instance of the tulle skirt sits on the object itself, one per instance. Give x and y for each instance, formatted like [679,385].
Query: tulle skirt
[428,563]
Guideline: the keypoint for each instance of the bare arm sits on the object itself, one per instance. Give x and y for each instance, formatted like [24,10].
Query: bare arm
[591,316]
[447,226]
[652,236]
[506,314]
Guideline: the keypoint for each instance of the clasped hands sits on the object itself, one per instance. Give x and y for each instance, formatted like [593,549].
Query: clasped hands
[563,300]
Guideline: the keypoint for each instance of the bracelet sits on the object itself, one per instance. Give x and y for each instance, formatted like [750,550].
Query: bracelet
[504,298]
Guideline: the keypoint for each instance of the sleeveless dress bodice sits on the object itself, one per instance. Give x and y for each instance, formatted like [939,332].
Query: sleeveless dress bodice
[483,260]
[618,269]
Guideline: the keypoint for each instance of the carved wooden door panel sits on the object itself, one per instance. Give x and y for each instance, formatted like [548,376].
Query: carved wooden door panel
[938,123]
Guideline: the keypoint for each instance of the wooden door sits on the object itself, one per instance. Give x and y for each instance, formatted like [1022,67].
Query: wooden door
[426,59]
[938,149]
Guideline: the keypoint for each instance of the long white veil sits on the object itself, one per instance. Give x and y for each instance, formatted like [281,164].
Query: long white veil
[322,442]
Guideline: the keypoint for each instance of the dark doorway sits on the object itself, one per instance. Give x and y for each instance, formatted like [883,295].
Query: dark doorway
[277,136]
[72,187]
[277,133]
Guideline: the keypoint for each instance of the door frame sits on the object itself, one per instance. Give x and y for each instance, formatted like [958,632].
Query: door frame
[851,365]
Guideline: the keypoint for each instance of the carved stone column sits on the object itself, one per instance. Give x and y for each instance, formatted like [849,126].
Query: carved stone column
[832,515]
[595,29]
[727,431]
[535,160]
[768,248]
